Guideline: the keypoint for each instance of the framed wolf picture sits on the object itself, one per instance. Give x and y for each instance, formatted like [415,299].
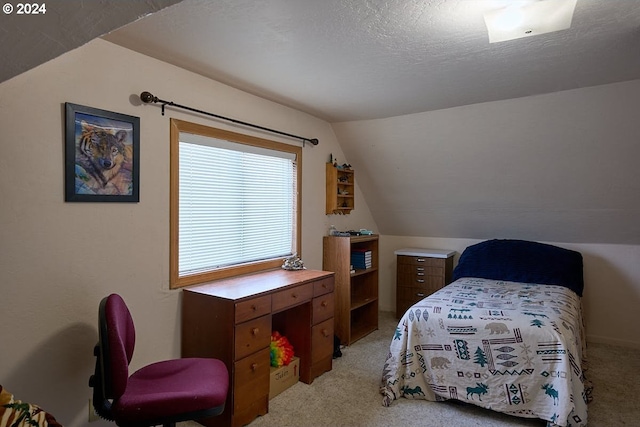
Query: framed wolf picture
[102,153]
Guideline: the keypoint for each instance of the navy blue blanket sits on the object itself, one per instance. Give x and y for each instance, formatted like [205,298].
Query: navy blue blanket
[522,261]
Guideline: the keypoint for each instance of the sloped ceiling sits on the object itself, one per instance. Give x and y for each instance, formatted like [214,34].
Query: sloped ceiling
[451,136]
[560,167]
[27,41]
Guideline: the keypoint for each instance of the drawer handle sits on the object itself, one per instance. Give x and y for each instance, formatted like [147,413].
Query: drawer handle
[420,280]
[419,294]
[323,303]
[294,295]
[255,331]
[420,259]
[325,333]
[254,366]
[420,274]
[253,307]
[419,268]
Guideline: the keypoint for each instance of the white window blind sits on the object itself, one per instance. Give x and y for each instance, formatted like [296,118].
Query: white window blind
[237,204]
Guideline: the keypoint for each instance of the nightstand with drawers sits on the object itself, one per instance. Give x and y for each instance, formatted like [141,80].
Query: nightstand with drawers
[420,272]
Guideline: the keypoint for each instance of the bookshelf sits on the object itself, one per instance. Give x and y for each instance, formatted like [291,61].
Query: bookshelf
[356,290]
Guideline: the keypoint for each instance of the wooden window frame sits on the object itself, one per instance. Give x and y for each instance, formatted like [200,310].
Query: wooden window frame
[177,126]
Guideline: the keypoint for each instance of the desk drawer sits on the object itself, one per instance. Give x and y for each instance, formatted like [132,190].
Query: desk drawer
[322,340]
[250,380]
[291,297]
[322,308]
[255,307]
[252,336]
[323,286]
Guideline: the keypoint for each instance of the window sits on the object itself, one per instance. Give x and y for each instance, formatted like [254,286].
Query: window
[234,203]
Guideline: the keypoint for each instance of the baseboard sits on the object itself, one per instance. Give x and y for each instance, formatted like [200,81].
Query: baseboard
[612,341]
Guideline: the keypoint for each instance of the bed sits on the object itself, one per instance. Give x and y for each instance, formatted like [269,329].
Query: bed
[507,335]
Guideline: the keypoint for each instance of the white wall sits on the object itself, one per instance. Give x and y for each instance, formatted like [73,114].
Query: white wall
[611,274]
[58,260]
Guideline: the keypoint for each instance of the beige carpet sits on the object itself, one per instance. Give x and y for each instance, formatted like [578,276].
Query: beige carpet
[348,395]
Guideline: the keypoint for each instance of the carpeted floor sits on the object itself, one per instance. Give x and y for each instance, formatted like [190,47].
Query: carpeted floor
[348,395]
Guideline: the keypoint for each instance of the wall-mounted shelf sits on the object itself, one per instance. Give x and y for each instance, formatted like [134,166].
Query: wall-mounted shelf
[340,190]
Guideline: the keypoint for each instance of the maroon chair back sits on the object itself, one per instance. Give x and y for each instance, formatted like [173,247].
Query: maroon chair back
[118,341]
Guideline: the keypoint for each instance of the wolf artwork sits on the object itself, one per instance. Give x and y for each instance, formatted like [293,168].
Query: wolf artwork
[104,159]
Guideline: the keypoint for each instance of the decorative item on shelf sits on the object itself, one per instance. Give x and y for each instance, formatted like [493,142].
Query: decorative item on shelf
[365,232]
[281,350]
[293,263]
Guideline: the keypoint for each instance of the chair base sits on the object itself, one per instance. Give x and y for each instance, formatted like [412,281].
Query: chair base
[171,422]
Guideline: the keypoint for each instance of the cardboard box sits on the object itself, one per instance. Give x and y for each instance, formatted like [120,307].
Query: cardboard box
[284,377]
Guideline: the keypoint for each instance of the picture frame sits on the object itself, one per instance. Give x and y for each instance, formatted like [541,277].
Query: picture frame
[102,155]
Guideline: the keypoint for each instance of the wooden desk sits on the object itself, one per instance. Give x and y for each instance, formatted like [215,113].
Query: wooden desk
[232,320]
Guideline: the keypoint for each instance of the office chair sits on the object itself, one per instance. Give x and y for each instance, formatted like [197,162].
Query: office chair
[162,393]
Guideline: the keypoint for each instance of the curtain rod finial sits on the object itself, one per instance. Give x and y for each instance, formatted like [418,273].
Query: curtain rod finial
[147,97]
[313,141]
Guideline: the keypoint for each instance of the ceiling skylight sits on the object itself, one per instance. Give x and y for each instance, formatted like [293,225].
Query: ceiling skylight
[525,18]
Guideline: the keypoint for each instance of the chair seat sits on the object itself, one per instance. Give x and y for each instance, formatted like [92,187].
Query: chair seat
[165,388]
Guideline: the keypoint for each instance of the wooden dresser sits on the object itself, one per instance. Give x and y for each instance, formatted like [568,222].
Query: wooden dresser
[420,272]
[232,320]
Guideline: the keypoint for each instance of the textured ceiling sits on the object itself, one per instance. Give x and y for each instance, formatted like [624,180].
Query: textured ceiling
[347,60]
[344,60]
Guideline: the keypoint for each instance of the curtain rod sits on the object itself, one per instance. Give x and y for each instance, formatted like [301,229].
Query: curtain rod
[147,98]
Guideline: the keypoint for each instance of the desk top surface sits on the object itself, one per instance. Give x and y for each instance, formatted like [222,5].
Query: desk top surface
[256,284]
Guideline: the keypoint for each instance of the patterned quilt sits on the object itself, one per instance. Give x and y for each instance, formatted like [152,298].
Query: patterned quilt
[510,347]
[15,413]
